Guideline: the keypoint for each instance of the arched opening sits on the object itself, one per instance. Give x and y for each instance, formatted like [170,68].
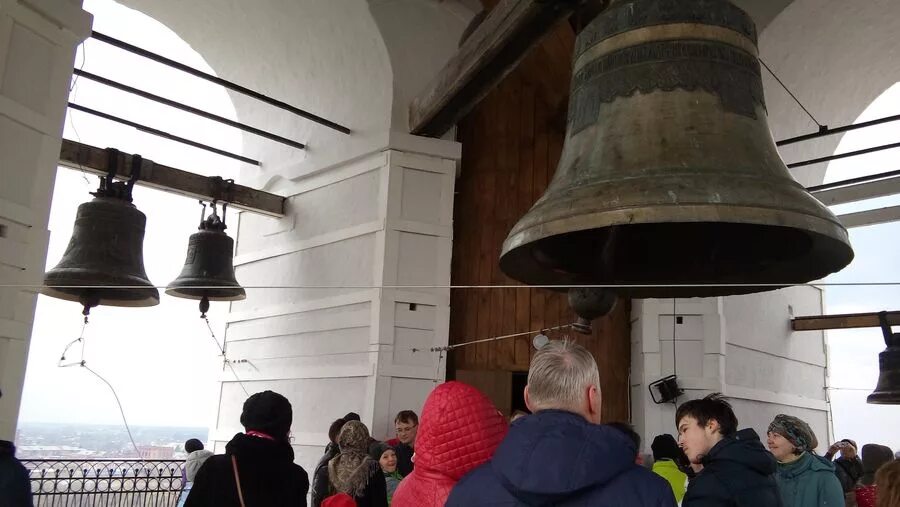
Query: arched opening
[161,360]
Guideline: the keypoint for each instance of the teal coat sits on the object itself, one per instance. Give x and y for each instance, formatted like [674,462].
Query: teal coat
[809,482]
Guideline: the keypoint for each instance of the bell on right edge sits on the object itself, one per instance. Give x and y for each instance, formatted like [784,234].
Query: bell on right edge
[669,174]
[887,392]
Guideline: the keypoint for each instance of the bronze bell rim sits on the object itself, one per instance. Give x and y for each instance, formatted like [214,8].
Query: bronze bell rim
[673,213]
[103,295]
[212,292]
[517,259]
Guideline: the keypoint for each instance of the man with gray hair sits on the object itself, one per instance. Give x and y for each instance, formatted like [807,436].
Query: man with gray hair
[562,455]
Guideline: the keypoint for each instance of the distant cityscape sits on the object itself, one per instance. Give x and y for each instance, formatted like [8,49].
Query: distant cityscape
[89,441]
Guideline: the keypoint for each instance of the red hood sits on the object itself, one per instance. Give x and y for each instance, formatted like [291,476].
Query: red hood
[460,430]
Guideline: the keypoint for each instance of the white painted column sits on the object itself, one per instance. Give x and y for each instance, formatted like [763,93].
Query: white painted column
[37,51]
[383,219]
[741,346]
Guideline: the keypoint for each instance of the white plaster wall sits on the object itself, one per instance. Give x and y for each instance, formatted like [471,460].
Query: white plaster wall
[420,35]
[384,219]
[37,50]
[326,57]
[355,62]
[741,346]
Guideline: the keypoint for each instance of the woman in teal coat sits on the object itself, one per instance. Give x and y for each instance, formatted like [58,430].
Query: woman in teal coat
[804,479]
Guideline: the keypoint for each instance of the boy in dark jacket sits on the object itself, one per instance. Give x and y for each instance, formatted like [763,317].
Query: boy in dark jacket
[737,470]
[263,458]
[561,455]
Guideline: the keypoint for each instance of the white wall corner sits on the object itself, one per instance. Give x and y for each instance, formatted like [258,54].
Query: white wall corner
[441,148]
[62,15]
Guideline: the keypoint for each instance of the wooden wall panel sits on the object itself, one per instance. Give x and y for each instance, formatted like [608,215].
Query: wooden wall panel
[511,145]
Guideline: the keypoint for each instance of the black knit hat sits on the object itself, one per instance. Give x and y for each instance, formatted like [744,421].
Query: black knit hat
[193,445]
[376,449]
[268,412]
[665,447]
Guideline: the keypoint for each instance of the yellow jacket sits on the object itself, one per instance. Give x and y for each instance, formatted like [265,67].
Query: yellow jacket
[668,470]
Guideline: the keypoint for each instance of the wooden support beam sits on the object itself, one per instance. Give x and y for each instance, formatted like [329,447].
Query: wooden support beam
[96,161]
[847,321]
[493,50]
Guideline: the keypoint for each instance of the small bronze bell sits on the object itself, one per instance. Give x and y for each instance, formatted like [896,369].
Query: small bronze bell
[669,174]
[106,250]
[887,392]
[208,272]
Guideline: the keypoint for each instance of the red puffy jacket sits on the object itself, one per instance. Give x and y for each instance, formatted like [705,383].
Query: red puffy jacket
[460,429]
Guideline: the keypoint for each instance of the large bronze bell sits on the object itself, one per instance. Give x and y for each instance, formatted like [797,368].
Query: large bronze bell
[104,262]
[208,272]
[887,392]
[669,174]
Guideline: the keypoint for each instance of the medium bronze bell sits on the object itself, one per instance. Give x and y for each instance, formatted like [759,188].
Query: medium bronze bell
[105,252]
[208,272]
[669,174]
[887,392]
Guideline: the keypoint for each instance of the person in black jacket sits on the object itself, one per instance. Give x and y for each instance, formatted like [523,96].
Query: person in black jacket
[737,470]
[15,484]
[848,468]
[407,425]
[257,469]
[353,471]
[331,450]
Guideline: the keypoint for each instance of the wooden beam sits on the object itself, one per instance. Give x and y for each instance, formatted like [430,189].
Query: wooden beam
[169,179]
[493,50]
[847,321]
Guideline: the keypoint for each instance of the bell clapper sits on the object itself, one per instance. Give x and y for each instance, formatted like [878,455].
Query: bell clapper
[204,307]
[88,302]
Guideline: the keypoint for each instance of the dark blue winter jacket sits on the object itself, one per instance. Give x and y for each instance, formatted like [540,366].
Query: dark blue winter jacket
[558,458]
[737,472]
[15,485]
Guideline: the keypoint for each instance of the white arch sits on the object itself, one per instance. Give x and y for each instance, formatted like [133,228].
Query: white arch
[837,57]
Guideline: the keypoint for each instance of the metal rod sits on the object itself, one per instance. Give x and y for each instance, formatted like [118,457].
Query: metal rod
[792,95]
[844,155]
[851,181]
[187,108]
[837,130]
[162,134]
[219,81]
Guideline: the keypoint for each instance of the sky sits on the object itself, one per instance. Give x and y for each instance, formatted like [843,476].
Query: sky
[854,352]
[162,361]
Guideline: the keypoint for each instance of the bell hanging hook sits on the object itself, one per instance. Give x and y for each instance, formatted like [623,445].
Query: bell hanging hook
[203,211]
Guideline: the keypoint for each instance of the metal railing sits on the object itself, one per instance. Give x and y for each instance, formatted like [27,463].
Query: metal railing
[115,483]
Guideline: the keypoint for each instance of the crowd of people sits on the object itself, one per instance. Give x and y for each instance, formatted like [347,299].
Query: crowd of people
[463,452]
